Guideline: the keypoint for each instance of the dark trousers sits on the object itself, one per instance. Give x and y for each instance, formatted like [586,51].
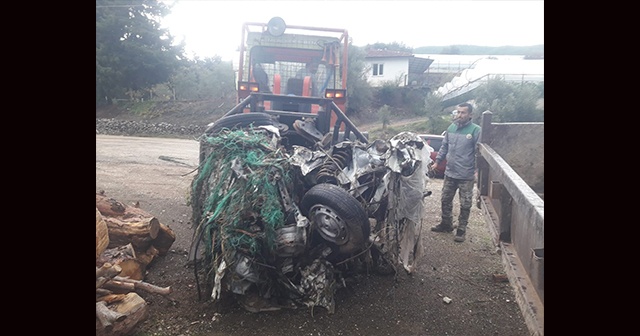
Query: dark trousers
[465,193]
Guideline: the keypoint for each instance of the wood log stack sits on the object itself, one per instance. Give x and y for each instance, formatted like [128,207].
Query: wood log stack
[127,241]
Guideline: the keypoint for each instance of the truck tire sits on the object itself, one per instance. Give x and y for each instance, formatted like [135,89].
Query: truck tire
[338,217]
[241,120]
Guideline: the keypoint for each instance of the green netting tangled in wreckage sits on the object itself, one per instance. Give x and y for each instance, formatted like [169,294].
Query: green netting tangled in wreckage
[237,190]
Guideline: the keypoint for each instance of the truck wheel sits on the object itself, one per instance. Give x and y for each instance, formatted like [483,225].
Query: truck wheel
[338,217]
[239,121]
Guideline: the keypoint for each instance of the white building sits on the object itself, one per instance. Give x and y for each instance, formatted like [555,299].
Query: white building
[407,69]
[400,68]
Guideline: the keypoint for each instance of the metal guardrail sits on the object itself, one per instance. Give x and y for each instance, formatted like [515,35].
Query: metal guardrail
[514,213]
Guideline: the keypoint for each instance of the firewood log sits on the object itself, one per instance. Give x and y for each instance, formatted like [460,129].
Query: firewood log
[133,307]
[164,240]
[105,273]
[140,232]
[108,270]
[102,234]
[147,257]
[100,292]
[112,208]
[126,258]
[145,286]
[100,282]
[119,287]
[111,298]
[117,214]
[107,316]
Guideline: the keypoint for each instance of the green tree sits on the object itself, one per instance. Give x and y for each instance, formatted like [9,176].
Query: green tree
[389,94]
[359,92]
[439,119]
[393,46]
[385,116]
[206,79]
[132,51]
[414,99]
[510,102]
[407,100]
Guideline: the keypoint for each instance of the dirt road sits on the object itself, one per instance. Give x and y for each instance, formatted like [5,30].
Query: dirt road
[157,172]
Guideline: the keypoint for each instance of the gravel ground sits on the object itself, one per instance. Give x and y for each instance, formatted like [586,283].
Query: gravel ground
[127,170]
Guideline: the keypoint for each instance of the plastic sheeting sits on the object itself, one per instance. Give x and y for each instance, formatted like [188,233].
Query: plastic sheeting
[508,68]
[408,160]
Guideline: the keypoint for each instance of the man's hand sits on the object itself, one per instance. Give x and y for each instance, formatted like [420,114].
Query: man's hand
[434,166]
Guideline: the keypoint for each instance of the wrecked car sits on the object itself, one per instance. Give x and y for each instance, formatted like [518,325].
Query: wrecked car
[291,198]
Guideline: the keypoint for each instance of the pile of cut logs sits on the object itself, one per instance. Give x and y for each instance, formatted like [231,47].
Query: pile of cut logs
[127,241]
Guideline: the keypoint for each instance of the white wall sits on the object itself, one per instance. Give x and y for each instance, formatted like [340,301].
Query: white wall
[394,68]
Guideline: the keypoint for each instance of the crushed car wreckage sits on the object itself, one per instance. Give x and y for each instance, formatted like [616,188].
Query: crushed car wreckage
[283,225]
[290,198]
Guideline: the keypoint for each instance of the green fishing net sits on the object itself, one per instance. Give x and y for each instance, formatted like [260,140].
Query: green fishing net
[237,203]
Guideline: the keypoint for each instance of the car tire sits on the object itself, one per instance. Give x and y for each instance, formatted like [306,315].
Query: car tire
[241,120]
[337,216]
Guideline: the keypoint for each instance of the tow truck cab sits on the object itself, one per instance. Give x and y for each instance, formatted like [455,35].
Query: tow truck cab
[271,78]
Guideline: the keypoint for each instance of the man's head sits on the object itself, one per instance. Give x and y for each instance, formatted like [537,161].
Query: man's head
[312,67]
[464,113]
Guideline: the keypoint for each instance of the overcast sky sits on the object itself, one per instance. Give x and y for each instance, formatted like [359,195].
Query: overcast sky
[213,27]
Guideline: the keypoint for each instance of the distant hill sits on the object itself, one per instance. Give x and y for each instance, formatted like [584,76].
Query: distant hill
[535,51]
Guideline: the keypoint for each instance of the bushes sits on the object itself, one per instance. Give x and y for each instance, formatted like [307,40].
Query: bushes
[510,102]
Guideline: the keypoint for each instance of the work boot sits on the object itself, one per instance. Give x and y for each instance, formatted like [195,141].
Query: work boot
[442,227]
[460,233]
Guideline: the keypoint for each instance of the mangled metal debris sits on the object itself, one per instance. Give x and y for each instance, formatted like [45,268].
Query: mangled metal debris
[282,225]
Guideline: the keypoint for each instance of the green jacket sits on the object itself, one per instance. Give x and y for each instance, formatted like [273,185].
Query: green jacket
[459,148]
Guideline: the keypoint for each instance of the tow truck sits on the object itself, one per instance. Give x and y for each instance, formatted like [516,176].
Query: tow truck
[271,55]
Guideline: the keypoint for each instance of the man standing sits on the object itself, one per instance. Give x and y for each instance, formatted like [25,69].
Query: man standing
[459,147]
[311,69]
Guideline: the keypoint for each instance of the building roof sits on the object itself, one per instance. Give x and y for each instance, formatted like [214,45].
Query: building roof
[419,64]
[416,64]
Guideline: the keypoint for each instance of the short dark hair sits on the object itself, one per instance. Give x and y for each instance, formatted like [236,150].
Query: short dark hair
[468,106]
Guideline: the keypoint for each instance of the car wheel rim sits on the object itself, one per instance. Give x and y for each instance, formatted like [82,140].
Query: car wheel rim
[329,224]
